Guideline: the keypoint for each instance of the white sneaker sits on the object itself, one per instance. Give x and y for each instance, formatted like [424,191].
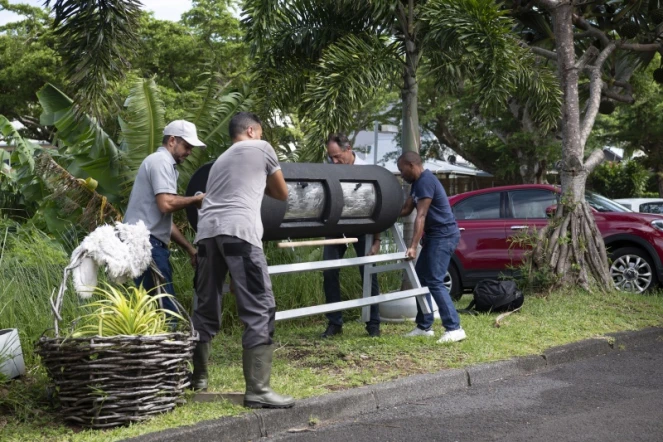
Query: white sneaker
[419,332]
[452,336]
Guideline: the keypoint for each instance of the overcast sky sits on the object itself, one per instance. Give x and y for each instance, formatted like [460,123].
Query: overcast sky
[163,9]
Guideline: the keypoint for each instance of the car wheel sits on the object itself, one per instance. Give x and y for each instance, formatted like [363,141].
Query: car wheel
[452,283]
[632,270]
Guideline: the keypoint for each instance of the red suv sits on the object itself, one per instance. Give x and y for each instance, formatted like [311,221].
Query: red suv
[487,218]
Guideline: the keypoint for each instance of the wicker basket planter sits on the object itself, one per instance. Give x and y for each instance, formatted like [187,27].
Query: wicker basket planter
[104,382]
[107,382]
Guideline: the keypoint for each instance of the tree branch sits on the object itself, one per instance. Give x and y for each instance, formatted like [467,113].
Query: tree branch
[544,52]
[594,160]
[605,53]
[587,58]
[617,97]
[549,4]
[595,87]
[591,30]
[638,47]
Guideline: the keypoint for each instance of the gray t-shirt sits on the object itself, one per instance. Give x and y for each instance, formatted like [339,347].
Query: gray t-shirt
[157,174]
[235,189]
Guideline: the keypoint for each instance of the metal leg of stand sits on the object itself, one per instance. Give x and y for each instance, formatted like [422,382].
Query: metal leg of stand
[370,268]
[410,271]
[368,279]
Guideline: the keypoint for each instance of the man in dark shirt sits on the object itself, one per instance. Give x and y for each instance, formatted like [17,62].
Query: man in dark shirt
[435,223]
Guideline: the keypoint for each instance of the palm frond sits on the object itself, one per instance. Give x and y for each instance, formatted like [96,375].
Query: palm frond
[91,150]
[292,35]
[95,37]
[476,36]
[211,115]
[24,150]
[142,128]
[42,181]
[473,39]
[350,73]
[74,197]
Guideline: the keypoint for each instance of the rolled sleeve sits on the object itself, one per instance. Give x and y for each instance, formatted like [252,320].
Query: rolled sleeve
[271,162]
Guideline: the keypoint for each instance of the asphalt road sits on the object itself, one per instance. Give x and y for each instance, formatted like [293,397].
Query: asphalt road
[616,397]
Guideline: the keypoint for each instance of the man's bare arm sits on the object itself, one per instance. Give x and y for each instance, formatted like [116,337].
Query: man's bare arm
[181,240]
[276,186]
[168,203]
[422,210]
[408,207]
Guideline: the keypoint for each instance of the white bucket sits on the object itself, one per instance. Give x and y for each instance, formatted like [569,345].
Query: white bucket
[402,310]
[11,355]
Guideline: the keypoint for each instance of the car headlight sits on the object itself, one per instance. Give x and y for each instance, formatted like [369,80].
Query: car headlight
[657,224]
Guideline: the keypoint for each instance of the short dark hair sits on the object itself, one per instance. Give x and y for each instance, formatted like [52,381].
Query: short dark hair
[241,122]
[410,157]
[339,138]
[165,139]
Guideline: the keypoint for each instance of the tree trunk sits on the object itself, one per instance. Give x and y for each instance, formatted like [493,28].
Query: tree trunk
[533,171]
[571,245]
[659,179]
[411,138]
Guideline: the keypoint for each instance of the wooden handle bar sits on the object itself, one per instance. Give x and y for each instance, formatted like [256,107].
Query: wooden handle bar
[318,242]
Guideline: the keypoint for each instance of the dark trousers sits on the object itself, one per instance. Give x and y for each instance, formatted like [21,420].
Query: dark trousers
[332,284]
[161,257]
[252,288]
[432,265]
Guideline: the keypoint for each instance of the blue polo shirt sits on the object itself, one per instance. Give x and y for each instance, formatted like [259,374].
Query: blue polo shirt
[440,220]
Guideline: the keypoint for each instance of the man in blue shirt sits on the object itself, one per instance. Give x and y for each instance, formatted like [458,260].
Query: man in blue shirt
[435,223]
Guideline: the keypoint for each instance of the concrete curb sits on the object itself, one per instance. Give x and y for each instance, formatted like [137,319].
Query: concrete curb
[406,390]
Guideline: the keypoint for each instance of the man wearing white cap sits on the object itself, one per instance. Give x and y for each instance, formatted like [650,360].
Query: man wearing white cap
[154,198]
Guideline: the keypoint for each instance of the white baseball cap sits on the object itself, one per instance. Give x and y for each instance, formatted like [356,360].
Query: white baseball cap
[185,130]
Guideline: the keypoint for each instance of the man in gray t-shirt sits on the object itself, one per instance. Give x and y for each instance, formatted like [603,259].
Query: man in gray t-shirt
[229,239]
[154,199]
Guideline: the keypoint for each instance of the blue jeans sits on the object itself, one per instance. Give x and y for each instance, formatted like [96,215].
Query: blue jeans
[431,267]
[161,257]
[332,284]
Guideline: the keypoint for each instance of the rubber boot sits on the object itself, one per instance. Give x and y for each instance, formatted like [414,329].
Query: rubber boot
[200,358]
[257,363]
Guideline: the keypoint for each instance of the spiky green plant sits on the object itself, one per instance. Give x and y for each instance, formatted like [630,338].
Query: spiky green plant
[125,311]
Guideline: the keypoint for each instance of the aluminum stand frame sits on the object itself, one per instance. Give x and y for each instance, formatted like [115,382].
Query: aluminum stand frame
[370,268]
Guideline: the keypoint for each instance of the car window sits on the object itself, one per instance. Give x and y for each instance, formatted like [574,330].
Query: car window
[603,204]
[531,204]
[486,206]
[652,208]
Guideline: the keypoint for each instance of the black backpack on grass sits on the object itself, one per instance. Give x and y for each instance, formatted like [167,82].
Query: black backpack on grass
[491,296]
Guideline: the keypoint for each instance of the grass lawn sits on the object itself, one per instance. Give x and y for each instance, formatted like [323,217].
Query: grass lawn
[307,366]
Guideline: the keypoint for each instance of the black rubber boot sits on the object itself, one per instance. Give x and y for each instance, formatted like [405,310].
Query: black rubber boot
[257,363]
[200,358]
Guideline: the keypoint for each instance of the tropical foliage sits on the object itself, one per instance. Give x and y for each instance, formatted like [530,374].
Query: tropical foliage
[113,24]
[639,127]
[126,311]
[325,59]
[80,182]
